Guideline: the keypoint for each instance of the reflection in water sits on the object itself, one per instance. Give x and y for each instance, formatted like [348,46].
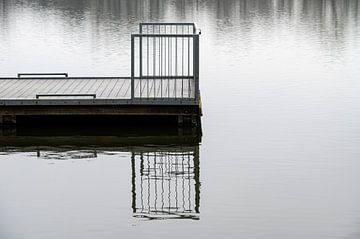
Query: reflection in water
[165,168]
[59,154]
[166,184]
[330,13]
[93,35]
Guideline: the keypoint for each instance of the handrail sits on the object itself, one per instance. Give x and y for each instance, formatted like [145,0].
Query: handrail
[65,95]
[169,23]
[163,35]
[66,75]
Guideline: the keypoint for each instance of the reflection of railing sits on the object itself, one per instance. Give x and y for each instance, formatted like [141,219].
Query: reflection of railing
[165,177]
[165,61]
[165,185]
[66,154]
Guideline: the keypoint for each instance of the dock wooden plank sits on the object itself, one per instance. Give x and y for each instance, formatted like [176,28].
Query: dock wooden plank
[76,89]
[57,87]
[110,89]
[4,85]
[68,87]
[10,88]
[45,87]
[101,89]
[89,86]
[104,88]
[96,84]
[34,84]
[107,89]
[14,89]
[121,92]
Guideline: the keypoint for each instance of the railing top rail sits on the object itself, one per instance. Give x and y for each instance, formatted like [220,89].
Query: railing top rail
[163,35]
[169,23]
[177,24]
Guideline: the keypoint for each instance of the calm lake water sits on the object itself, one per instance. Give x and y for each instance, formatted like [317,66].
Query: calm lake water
[280,151]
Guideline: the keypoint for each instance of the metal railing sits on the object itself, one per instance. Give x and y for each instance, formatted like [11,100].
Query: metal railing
[167,28]
[165,61]
[164,67]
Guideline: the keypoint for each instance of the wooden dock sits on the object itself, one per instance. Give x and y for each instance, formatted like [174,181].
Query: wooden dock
[164,81]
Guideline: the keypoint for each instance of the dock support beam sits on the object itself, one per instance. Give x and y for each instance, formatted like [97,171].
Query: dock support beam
[180,120]
[7,119]
[187,120]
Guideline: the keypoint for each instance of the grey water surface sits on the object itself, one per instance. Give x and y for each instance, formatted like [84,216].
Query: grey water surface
[280,151]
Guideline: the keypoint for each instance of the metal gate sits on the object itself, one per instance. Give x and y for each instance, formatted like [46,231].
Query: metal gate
[165,62]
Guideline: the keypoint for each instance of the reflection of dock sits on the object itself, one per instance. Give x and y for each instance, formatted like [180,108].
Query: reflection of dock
[165,163]
[165,184]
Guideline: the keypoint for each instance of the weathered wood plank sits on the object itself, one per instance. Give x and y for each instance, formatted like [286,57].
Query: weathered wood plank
[105,88]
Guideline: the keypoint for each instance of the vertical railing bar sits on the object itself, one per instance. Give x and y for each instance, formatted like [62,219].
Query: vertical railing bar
[176,49]
[196,57]
[189,89]
[161,66]
[154,59]
[140,66]
[168,69]
[132,66]
[170,59]
[165,59]
[140,59]
[159,52]
[182,65]
[147,61]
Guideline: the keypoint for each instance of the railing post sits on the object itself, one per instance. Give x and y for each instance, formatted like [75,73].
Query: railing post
[196,61]
[132,67]
[140,53]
